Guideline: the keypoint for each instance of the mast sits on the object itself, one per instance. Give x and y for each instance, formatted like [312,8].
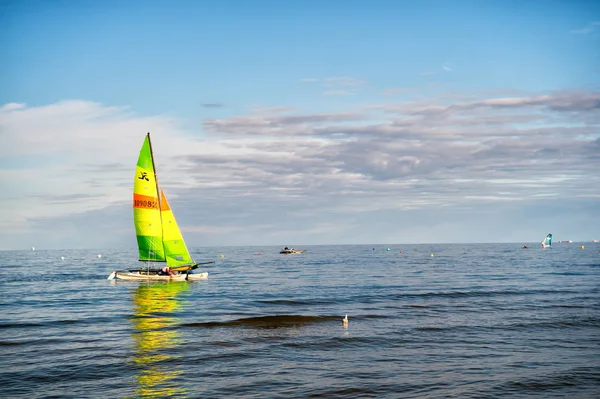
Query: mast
[157,189]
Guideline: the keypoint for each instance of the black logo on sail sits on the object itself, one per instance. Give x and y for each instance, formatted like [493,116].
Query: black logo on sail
[144,176]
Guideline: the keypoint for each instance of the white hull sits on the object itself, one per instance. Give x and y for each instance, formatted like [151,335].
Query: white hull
[292,251]
[198,276]
[140,276]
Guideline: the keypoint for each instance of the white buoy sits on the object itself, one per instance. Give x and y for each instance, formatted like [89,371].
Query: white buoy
[99,256]
[33,248]
[345,321]
[62,258]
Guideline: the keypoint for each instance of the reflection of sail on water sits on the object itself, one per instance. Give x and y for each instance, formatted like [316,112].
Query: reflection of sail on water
[155,338]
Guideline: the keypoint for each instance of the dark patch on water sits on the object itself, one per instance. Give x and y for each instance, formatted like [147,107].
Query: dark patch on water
[278,321]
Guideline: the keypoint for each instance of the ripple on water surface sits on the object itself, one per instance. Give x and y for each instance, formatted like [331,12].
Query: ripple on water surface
[473,321]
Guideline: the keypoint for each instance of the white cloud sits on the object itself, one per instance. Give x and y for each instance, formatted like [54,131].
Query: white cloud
[11,106]
[70,165]
[77,151]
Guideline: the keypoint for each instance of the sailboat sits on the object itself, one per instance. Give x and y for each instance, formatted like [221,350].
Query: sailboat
[158,236]
[547,242]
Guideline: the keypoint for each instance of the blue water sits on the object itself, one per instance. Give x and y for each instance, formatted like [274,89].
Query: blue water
[473,321]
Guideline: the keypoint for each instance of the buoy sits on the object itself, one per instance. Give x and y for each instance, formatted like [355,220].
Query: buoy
[400,251]
[260,253]
[345,321]
[62,258]
[33,248]
[388,249]
[99,256]
[431,255]
[582,247]
[222,256]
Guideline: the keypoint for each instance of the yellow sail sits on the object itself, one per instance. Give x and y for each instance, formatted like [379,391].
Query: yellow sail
[176,253]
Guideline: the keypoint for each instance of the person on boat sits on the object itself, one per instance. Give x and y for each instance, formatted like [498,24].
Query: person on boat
[166,271]
[286,249]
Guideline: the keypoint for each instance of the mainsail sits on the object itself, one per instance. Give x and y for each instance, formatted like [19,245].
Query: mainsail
[547,241]
[158,236]
[146,207]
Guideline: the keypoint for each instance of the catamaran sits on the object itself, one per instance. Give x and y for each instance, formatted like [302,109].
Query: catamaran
[547,242]
[158,236]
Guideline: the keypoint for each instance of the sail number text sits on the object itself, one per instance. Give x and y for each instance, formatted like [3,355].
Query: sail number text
[138,203]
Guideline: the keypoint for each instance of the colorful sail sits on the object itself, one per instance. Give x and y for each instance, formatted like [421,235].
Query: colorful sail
[176,252]
[146,207]
[547,241]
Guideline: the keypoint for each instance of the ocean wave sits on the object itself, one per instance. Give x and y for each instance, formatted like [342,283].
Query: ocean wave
[276,321]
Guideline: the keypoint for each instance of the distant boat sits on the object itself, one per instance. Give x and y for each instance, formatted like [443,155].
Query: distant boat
[547,242]
[566,241]
[288,251]
[595,240]
[158,236]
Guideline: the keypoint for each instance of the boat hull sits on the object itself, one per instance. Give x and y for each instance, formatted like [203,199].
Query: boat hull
[140,276]
[290,252]
[197,276]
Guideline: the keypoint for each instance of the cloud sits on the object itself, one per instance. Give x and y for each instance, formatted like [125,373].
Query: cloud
[11,107]
[557,101]
[485,141]
[277,173]
[447,67]
[567,101]
[592,27]
[66,158]
[276,124]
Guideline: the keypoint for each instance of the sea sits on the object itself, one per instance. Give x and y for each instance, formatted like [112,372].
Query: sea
[425,321]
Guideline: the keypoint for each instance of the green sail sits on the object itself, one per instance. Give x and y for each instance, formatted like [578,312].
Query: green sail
[146,207]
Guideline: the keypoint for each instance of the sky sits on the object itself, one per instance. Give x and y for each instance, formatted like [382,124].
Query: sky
[301,122]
